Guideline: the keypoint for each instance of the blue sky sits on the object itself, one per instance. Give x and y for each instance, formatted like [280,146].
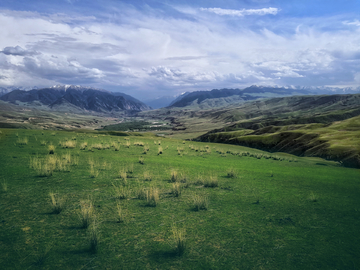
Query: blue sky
[159,48]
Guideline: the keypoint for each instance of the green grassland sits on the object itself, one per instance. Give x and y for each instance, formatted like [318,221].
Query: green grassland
[81,200]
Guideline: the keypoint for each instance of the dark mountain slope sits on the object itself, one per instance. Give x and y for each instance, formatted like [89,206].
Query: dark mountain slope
[227,95]
[84,98]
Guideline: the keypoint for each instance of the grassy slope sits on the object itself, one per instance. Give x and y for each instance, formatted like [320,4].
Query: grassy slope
[261,219]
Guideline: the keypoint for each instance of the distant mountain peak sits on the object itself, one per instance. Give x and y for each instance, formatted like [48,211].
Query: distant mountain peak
[84,98]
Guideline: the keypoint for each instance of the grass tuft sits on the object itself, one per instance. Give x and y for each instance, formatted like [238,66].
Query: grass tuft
[200,202]
[176,189]
[57,203]
[211,182]
[121,215]
[86,213]
[152,197]
[121,192]
[231,173]
[313,197]
[94,238]
[180,240]
[4,186]
[51,149]
[174,175]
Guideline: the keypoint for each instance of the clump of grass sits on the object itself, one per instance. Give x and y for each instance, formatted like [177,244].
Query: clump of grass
[180,240]
[121,192]
[97,146]
[141,193]
[152,197]
[211,182]
[94,238]
[57,203]
[146,149]
[4,186]
[121,214]
[139,143]
[176,189]
[22,141]
[42,168]
[231,173]
[86,213]
[174,175]
[68,144]
[43,143]
[127,144]
[116,147]
[123,176]
[200,202]
[313,197]
[83,145]
[147,176]
[160,150]
[130,168]
[141,160]
[51,149]
[93,172]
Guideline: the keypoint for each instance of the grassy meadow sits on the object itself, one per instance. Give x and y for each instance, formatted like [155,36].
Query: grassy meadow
[86,200]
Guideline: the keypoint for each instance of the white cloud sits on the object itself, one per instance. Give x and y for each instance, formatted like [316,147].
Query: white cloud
[355,23]
[242,12]
[154,54]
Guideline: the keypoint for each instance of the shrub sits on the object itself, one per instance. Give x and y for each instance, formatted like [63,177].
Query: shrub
[200,202]
[180,240]
[86,213]
[57,203]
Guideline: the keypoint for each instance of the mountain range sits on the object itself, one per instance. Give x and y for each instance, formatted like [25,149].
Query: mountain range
[75,99]
[225,97]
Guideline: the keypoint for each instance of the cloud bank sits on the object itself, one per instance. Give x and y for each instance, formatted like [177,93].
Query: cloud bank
[166,50]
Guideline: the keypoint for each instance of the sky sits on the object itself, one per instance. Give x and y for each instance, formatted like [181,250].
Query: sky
[150,49]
